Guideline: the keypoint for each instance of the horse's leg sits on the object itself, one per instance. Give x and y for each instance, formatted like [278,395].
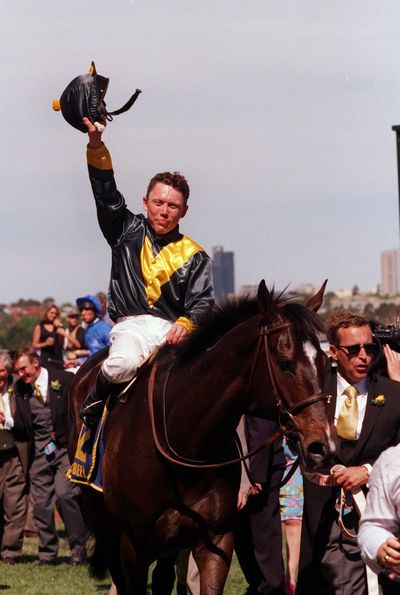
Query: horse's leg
[163,577]
[135,569]
[214,561]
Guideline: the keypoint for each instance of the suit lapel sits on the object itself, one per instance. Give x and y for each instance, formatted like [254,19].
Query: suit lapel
[331,393]
[52,396]
[371,416]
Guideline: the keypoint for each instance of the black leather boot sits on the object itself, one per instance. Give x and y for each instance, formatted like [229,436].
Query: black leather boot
[92,407]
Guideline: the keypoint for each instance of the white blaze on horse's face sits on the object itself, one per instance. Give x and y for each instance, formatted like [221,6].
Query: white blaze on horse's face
[311,354]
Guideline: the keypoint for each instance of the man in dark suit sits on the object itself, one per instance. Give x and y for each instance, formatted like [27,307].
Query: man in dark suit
[366,412]
[258,533]
[40,418]
[13,468]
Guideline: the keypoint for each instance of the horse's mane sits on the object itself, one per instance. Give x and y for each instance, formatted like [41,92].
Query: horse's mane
[233,311]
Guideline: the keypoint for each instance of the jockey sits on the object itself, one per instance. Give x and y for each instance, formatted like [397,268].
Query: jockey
[161,281]
[97,331]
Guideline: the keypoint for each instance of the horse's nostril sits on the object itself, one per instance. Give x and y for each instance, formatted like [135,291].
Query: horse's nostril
[317,448]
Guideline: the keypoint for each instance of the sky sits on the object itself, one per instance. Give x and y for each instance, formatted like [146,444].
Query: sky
[278,112]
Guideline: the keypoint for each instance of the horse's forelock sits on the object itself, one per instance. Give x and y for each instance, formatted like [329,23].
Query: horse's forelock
[306,323]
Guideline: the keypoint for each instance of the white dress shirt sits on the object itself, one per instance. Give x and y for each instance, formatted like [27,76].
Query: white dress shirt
[9,421]
[381,518]
[42,382]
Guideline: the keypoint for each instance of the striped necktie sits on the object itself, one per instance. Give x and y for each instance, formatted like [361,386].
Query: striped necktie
[346,425]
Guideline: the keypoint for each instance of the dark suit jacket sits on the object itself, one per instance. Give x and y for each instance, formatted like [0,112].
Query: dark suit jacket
[380,429]
[269,459]
[23,424]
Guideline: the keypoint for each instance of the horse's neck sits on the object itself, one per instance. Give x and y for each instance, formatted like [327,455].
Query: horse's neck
[209,395]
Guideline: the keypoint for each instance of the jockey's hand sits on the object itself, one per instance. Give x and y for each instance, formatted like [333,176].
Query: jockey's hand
[393,362]
[352,478]
[176,333]
[94,135]
[242,500]
[388,554]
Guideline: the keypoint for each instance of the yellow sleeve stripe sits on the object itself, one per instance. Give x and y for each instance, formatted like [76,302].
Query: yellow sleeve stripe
[188,324]
[157,270]
[99,158]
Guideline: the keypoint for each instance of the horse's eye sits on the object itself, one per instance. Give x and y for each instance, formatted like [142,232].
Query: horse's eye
[285,364]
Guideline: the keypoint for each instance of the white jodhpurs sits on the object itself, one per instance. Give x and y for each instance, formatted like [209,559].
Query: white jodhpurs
[132,340]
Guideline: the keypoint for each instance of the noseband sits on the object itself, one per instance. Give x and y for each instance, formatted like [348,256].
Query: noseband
[286,408]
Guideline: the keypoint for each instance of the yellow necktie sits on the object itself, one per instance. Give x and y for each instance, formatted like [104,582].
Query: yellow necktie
[346,425]
[38,393]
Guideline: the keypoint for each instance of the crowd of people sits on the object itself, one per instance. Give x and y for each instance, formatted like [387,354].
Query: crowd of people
[34,384]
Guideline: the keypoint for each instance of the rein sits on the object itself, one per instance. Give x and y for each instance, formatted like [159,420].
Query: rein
[278,393]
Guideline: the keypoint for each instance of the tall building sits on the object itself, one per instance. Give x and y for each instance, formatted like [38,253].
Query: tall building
[390,272]
[223,272]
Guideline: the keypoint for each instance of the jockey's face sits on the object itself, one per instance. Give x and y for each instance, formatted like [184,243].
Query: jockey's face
[28,370]
[165,206]
[88,315]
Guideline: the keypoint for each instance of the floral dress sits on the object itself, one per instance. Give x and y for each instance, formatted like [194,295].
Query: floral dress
[291,494]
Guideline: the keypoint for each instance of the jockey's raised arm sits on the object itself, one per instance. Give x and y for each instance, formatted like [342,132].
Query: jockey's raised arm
[161,281]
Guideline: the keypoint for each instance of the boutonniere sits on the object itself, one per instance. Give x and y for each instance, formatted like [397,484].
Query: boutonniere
[379,401]
[55,385]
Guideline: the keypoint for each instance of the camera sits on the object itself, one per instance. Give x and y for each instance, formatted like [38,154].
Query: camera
[389,334]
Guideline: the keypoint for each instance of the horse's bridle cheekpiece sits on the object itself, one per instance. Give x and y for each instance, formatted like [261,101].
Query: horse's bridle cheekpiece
[84,98]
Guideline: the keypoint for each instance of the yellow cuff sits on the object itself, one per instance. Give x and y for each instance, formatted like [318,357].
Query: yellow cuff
[99,157]
[188,324]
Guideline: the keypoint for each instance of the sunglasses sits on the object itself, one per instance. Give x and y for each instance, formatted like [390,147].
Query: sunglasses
[353,350]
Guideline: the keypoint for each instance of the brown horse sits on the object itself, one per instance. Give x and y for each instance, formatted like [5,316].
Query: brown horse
[262,351]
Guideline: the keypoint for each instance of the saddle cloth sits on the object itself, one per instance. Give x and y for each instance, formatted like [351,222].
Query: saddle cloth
[86,468]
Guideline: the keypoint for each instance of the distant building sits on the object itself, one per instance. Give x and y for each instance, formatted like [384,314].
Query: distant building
[250,289]
[390,272]
[223,273]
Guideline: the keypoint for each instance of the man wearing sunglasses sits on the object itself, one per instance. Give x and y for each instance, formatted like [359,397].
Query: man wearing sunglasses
[366,411]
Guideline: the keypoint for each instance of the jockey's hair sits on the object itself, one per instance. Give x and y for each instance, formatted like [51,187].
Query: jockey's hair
[344,319]
[30,353]
[175,179]
[5,359]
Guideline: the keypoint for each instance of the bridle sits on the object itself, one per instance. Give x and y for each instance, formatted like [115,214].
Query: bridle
[286,408]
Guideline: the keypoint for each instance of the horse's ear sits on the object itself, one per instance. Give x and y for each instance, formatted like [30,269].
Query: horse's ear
[315,302]
[266,302]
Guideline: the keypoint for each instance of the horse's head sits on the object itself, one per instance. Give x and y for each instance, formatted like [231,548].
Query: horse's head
[295,367]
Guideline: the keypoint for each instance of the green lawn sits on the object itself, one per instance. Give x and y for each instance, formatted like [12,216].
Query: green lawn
[26,579]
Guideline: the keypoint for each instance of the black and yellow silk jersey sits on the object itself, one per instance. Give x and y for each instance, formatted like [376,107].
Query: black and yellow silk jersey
[169,275]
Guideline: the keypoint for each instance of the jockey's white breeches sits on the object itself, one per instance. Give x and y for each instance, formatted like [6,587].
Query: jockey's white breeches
[132,340]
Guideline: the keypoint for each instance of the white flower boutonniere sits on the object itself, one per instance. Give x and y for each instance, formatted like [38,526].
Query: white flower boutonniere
[55,385]
[379,401]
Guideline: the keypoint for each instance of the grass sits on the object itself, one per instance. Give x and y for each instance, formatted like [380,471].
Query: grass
[25,578]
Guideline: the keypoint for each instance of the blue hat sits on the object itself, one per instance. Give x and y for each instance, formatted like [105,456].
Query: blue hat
[89,301]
